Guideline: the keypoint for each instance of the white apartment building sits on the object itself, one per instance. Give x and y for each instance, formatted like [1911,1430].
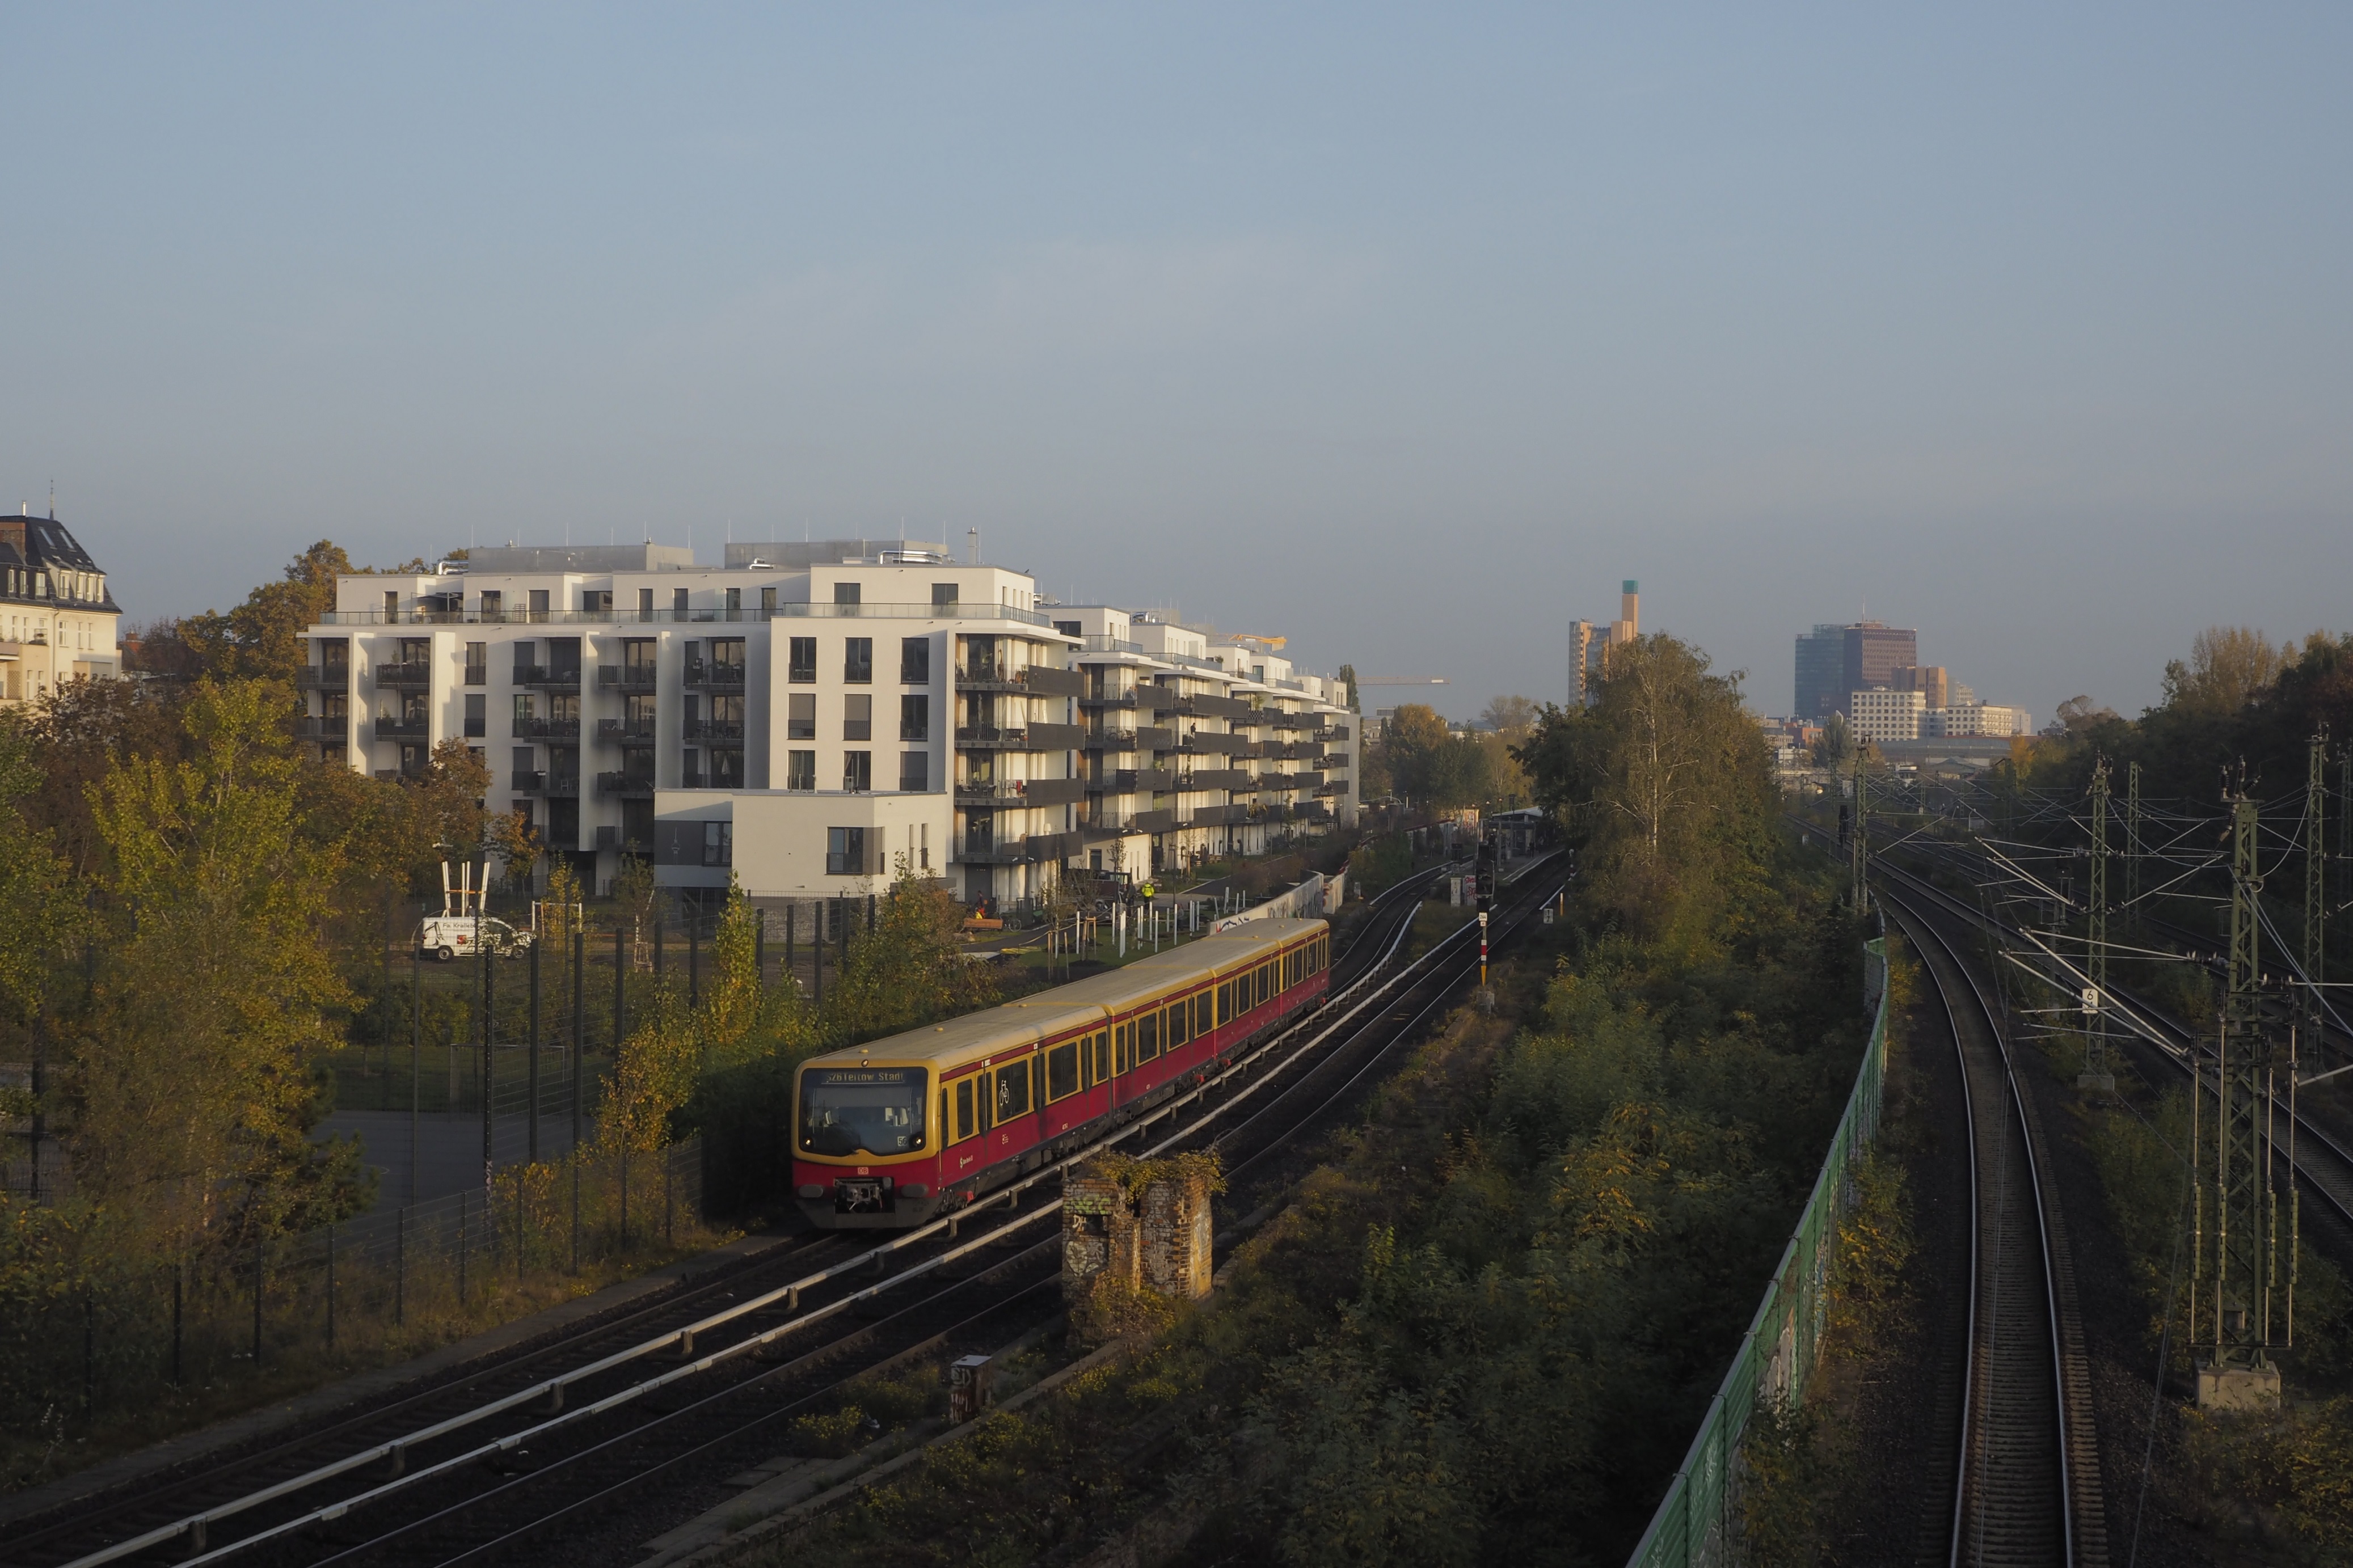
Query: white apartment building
[1880,715]
[809,717]
[58,619]
[1975,719]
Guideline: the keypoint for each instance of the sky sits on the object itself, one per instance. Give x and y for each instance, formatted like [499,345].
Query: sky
[1405,332]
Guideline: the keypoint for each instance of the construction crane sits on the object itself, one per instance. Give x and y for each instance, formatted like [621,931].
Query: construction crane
[1403,680]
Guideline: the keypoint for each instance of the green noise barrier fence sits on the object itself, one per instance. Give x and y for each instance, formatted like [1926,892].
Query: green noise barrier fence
[1696,1524]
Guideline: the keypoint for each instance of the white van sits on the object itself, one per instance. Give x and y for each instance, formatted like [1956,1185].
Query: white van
[451,937]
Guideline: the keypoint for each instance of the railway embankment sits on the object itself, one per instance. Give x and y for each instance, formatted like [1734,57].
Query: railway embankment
[1491,1305]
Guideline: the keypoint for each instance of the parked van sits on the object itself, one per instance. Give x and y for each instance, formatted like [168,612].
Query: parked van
[451,937]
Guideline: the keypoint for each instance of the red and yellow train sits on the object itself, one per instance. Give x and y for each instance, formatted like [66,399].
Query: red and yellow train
[899,1131]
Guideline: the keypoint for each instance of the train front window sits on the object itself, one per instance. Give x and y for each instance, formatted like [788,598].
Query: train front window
[862,1111]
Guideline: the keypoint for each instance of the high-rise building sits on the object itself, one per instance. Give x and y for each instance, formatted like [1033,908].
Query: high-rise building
[1590,643]
[1875,652]
[1821,669]
[1883,715]
[1931,680]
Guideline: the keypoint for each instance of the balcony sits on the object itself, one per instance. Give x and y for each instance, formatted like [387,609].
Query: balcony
[704,676]
[335,728]
[1218,816]
[626,786]
[1038,680]
[564,677]
[403,677]
[557,787]
[1133,781]
[390,729]
[1016,795]
[547,728]
[1054,847]
[325,678]
[1333,732]
[1217,778]
[626,676]
[1203,706]
[716,732]
[626,731]
[1021,737]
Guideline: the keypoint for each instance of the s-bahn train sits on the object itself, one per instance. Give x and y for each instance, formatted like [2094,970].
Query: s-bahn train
[896,1132]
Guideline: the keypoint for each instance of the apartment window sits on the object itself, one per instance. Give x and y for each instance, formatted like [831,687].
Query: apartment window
[734,604]
[726,769]
[915,661]
[718,843]
[914,772]
[844,852]
[846,593]
[637,654]
[943,593]
[924,852]
[645,603]
[526,709]
[1068,628]
[800,770]
[858,772]
[678,602]
[538,604]
[767,602]
[596,601]
[801,660]
[494,604]
[857,717]
[801,717]
[858,660]
[478,719]
[391,605]
[478,664]
[915,717]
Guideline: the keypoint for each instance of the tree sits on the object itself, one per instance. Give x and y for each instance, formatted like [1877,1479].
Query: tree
[262,638]
[907,970]
[1413,745]
[193,1086]
[2229,667]
[1835,750]
[1348,687]
[1509,717]
[44,918]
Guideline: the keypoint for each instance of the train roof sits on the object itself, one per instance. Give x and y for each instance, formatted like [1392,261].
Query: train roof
[1015,1025]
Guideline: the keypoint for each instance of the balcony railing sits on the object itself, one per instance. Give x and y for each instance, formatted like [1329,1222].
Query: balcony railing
[558,787]
[1132,780]
[564,676]
[335,727]
[547,728]
[1013,794]
[626,732]
[625,786]
[1217,778]
[402,729]
[325,678]
[698,614]
[397,676]
[1053,846]
[626,676]
[1021,737]
[704,676]
[1038,679]
[720,732]
[1202,705]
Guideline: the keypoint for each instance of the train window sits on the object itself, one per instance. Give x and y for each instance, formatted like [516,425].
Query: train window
[1102,1055]
[1225,1002]
[1147,1036]
[1265,982]
[1204,1019]
[1181,1022]
[963,1125]
[1122,1058]
[1012,1091]
[1062,1071]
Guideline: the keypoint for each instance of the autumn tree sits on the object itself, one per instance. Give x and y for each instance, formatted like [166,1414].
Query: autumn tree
[263,635]
[193,1086]
[909,970]
[45,919]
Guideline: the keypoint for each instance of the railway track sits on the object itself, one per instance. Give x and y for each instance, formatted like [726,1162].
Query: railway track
[2026,1483]
[436,1472]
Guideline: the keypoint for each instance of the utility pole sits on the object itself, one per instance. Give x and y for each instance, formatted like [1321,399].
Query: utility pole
[2132,842]
[1861,847]
[2316,880]
[2242,1301]
[2097,1077]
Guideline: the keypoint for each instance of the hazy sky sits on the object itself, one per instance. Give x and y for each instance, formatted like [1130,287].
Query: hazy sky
[1405,332]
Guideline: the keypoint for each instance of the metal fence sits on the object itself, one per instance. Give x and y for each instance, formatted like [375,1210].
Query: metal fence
[87,1333]
[1696,1524]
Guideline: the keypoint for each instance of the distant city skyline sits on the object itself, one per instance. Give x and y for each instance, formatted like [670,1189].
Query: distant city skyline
[1405,333]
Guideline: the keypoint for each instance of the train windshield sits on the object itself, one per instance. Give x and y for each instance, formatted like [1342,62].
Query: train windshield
[862,1111]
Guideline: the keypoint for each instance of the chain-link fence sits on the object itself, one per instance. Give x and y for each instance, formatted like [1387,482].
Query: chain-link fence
[1696,1524]
[87,1328]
